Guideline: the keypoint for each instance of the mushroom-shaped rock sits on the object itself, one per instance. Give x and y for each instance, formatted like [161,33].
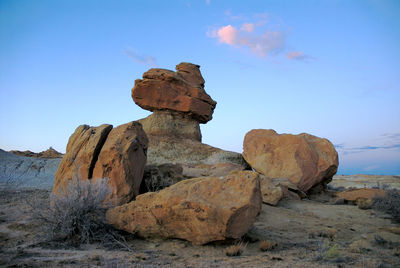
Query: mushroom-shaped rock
[181,91]
[304,159]
[199,210]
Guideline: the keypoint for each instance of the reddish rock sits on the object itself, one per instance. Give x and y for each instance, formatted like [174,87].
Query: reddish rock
[199,210]
[122,159]
[304,159]
[83,147]
[181,91]
[354,194]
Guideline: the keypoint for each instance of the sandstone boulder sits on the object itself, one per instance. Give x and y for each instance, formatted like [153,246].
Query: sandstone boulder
[122,159]
[83,148]
[305,160]
[361,197]
[199,210]
[181,91]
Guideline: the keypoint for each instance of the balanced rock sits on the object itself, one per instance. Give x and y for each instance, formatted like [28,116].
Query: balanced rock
[306,160]
[199,210]
[181,91]
[122,159]
[83,148]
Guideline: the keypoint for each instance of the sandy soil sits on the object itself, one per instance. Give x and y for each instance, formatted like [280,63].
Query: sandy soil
[308,233]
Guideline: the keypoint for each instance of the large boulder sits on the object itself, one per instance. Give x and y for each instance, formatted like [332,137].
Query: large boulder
[181,91]
[83,148]
[199,210]
[306,160]
[122,159]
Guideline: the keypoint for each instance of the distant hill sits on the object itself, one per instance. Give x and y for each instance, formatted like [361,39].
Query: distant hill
[49,153]
[27,172]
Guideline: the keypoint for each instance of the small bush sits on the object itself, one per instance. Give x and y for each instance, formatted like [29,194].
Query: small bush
[235,250]
[390,203]
[77,214]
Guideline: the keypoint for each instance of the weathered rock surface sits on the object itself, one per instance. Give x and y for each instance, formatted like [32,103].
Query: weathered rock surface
[199,210]
[82,151]
[355,194]
[27,172]
[175,148]
[304,159]
[181,91]
[122,159]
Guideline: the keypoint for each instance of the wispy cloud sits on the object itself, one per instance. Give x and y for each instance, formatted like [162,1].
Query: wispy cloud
[298,55]
[262,44]
[208,2]
[388,141]
[140,58]
[257,33]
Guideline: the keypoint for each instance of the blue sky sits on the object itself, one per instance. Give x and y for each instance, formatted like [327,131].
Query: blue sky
[328,68]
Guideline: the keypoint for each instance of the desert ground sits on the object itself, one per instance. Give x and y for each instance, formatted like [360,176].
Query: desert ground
[304,233]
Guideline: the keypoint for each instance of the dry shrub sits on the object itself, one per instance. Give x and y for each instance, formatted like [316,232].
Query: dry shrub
[235,250]
[77,214]
[390,203]
[265,245]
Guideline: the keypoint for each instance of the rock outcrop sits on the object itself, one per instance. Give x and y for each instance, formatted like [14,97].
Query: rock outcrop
[181,91]
[49,153]
[306,160]
[81,154]
[103,152]
[27,172]
[353,195]
[199,210]
[174,131]
[122,159]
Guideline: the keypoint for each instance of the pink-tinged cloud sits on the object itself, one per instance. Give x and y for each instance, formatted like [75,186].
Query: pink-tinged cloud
[247,27]
[227,35]
[261,44]
[297,55]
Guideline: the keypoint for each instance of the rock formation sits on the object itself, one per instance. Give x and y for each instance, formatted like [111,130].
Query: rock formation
[181,91]
[199,210]
[306,160]
[49,153]
[179,104]
[103,152]
[122,159]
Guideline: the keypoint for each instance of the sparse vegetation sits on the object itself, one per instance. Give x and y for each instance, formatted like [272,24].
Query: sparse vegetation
[235,250]
[390,204]
[76,215]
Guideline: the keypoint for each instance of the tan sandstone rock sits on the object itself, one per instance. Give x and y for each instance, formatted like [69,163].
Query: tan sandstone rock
[304,159]
[181,91]
[361,197]
[199,210]
[83,148]
[122,160]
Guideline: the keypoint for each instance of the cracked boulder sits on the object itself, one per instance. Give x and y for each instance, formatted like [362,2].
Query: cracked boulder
[200,210]
[118,154]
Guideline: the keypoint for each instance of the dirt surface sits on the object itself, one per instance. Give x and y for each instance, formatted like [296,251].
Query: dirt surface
[307,233]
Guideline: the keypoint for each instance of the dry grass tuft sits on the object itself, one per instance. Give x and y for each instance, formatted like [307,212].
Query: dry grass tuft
[267,245]
[235,250]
